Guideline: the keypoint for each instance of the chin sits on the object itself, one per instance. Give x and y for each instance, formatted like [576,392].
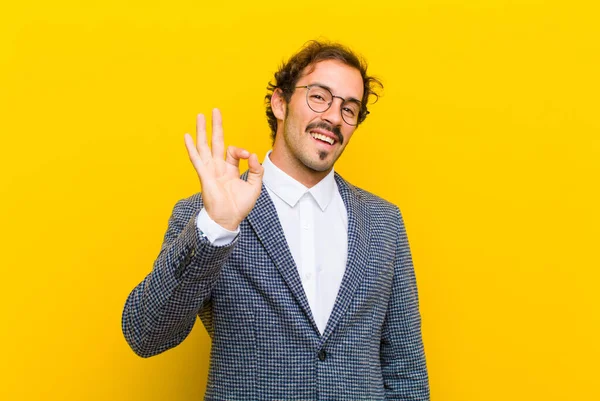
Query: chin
[321,168]
[319,165]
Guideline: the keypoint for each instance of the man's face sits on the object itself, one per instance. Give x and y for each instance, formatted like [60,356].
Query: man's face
[304,130]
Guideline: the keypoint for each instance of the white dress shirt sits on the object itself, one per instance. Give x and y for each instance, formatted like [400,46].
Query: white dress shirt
[315,225]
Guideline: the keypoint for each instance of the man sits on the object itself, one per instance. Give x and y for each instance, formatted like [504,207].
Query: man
[304,282]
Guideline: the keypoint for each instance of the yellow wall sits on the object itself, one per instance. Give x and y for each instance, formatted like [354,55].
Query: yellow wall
[487,137]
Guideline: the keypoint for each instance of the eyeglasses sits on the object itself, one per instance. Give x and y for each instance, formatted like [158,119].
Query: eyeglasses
[320,99]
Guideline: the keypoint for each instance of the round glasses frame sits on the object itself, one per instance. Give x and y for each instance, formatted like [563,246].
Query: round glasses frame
[359,116]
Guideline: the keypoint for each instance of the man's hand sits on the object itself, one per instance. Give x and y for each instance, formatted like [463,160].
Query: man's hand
[227,198]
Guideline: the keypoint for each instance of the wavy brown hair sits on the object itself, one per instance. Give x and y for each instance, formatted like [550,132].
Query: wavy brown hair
[311,53]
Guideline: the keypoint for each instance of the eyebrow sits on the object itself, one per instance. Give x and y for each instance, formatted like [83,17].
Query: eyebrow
[350,99]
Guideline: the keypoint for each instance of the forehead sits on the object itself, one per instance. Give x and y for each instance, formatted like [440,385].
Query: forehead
[343,80]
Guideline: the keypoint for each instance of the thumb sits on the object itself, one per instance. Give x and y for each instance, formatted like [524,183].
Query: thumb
[255,171]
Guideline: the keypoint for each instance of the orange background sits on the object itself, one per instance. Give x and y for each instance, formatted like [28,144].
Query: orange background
[487,137]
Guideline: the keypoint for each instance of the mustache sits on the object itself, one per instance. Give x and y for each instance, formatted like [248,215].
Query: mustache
[323,125]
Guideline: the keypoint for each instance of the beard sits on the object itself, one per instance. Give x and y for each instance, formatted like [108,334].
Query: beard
[298,143]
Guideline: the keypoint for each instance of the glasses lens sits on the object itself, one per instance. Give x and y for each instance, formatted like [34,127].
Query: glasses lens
[350,112]
[319,99]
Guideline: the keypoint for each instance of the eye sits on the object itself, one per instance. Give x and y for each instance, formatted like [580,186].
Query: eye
[319,95]
[350,110]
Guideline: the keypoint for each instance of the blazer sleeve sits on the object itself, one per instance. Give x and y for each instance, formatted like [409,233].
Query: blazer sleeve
[402,354]
[161,311]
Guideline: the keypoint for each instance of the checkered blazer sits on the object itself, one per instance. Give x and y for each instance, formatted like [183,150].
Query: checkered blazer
[265,343]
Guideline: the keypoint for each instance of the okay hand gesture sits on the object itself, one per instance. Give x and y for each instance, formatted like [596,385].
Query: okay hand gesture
[227,198]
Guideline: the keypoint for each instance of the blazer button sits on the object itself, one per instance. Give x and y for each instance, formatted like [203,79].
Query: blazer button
[322,355]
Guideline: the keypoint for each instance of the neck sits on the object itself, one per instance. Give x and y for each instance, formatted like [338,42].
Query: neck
[298,171]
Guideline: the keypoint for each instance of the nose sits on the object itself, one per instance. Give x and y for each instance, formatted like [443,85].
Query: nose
[333,115]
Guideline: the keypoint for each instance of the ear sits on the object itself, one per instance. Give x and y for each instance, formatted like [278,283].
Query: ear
[278,104]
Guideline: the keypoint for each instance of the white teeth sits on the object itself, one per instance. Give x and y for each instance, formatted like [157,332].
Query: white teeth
[322,137]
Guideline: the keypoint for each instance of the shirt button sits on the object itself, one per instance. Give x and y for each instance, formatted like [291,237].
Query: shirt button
[308,276]
[322,355]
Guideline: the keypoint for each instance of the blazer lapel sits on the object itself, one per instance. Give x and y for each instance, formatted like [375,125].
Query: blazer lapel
[263,219]
[359,233]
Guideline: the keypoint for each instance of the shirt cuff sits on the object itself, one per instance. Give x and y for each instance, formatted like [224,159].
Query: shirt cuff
[217,235]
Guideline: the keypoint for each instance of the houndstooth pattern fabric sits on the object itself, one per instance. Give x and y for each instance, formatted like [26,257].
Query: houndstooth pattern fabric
[249,296]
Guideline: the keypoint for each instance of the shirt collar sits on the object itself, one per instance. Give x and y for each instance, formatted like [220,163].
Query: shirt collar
[290,190]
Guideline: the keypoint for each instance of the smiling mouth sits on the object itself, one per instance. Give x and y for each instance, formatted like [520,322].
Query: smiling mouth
[323,138]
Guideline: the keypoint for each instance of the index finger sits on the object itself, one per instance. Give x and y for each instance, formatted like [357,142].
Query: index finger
[218,141]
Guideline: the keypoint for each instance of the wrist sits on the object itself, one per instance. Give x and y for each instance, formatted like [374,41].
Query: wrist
[226,223]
